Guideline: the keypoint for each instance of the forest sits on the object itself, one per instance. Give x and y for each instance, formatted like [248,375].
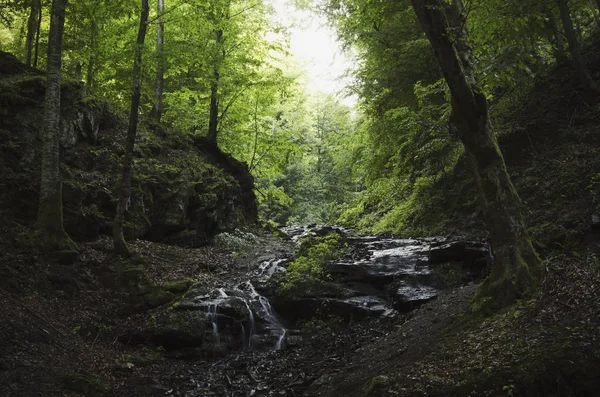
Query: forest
[182,211]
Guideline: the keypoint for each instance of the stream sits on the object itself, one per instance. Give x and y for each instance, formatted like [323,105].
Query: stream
[249,341]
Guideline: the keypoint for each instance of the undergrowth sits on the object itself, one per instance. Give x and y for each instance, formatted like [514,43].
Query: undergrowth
[307,270]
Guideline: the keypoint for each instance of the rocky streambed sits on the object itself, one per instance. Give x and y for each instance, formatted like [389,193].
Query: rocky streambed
[240,337]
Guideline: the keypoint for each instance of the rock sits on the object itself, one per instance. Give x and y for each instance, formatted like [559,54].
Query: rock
[408,295]
[472,253]
[178,286]
[158,297]
[236,240]
[176,329]
[132,279]
[359,307]
[447,252]
[86,384]
[376,386]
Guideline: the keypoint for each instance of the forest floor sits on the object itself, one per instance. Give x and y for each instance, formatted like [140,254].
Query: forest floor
[60,335]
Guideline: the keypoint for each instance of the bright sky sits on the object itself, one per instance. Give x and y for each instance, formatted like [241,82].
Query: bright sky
[316,48]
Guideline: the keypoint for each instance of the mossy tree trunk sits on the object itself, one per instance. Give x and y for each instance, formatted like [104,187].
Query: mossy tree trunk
[120,245]
[160,64]
[517,269]
[50,230]
[586,81]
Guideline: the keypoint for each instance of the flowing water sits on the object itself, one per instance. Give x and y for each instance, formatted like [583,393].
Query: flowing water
[377,277]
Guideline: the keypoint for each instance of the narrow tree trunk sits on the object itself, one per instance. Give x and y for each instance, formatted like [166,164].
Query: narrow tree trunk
[89,78]
[575,49]
[517,269]
[37,33]
[213,117]
[78,73]
[160,65]
[256,129]
[51,233]
[558,39]
[32,24]
[125,189]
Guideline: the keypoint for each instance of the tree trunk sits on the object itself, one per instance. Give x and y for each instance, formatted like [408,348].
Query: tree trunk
[160,65]
[125,189]
[574,48]
[50,229]
[517,270]
[89,78]
[37,34]
[559,54]
[213,118]
[32,25]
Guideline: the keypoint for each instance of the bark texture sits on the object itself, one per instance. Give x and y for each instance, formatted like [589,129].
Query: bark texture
[517,269]
[51,233]
[120,245]
[575,49]
[160,65]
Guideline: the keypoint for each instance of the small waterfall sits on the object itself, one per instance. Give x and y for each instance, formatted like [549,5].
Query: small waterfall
[265,311]
[271,318]
[251,321]
[211,316]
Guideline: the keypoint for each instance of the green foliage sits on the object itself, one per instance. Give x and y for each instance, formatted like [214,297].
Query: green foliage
[308,268]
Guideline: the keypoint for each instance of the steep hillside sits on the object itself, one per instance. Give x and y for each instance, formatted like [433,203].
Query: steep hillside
[185,189]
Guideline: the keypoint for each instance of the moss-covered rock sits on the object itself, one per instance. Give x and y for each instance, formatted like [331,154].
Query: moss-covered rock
[178,286]
[374,387]
[158,297]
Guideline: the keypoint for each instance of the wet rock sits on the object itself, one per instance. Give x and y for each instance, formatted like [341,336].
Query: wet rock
[408,295]
[471,253]
[358,307]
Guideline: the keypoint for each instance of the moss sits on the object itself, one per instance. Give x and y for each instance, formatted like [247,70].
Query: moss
[158,297]
[307,271]
[516,275]
[86,384]
[374,386]
[133,280]
[178,286]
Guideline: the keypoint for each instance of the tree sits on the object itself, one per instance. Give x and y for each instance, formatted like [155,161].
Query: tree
[160,64]
[51,232]
[517,270]
[33,27]
[120,245]
[575,49]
